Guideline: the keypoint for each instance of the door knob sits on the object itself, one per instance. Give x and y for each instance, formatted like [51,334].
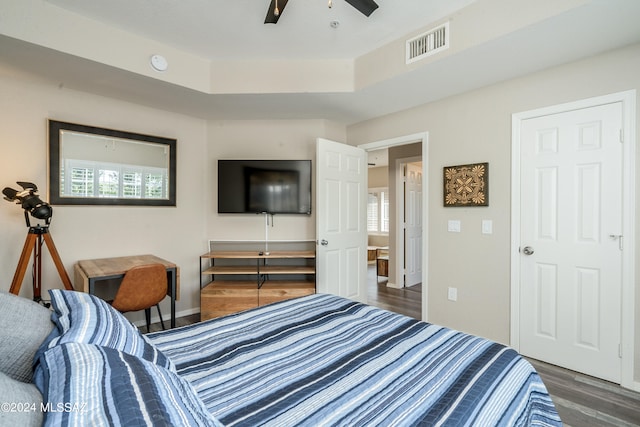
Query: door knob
[527,250]
[324,242]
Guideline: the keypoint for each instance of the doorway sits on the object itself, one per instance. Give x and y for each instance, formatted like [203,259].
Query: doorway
[396,275]
[571,210]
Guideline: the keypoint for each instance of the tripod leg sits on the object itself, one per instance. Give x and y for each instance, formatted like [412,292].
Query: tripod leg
[29,244]
[57,261]
[37,270]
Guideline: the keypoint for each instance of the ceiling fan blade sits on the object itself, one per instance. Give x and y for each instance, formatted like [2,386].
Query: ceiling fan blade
[272,18]
[365,7]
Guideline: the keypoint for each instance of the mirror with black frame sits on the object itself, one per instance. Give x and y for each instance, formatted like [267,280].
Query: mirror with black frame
[89,165]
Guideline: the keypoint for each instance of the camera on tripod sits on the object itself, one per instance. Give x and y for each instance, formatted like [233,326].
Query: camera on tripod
[32,204]
[29,200]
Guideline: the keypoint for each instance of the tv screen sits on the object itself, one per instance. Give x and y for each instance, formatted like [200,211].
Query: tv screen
[264,186]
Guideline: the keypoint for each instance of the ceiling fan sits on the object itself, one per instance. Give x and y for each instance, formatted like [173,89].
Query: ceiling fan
[366,7]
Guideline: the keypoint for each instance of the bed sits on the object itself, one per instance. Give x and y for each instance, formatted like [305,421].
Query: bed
[315,360]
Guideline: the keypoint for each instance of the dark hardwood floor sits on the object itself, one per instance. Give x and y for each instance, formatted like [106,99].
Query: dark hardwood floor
[584,401]
[581,401]
[407,301]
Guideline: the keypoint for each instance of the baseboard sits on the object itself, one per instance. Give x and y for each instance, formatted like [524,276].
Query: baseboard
[394,286]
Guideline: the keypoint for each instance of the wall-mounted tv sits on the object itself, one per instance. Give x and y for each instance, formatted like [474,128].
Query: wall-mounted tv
[264,186]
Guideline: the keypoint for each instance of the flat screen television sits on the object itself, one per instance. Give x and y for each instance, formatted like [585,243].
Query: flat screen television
[264,186]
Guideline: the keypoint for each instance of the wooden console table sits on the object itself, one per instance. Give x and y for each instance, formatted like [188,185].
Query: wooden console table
[265,278]
[88,272]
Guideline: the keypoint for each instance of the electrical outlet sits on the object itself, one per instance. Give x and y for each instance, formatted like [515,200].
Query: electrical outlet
[487,226]
[453,226]
[453,294]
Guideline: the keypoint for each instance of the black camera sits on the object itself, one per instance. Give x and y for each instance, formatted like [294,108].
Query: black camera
[29,201]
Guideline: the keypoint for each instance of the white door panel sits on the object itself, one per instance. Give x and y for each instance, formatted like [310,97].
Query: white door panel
[341,229]
[413,224]
[571,203]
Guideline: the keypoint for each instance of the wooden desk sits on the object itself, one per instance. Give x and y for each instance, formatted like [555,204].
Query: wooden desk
[88,272]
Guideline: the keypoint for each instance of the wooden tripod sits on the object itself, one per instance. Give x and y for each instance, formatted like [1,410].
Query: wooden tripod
[34,243]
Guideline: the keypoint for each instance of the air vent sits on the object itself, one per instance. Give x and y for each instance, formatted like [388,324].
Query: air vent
[428,43]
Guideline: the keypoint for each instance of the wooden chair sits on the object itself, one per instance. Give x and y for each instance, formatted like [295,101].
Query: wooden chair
[142,287]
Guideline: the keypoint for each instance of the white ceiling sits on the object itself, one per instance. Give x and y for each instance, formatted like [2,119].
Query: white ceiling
[234,29]
[378,158]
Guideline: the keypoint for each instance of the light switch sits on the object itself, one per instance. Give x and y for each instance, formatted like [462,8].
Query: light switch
[487,226]
[452,294]
[453,226]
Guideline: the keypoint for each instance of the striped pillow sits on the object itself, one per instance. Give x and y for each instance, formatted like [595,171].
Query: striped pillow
[88,385]
[83,318]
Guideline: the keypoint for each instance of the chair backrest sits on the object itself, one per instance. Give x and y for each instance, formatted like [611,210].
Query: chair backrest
[142,287]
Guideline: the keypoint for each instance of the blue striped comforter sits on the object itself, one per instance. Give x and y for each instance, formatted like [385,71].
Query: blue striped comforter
[325,360]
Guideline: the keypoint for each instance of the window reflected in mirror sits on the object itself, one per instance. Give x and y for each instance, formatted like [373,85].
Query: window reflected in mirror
[90,165]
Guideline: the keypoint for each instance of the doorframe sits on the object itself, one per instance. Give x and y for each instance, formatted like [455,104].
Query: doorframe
[422,137]
[627,304]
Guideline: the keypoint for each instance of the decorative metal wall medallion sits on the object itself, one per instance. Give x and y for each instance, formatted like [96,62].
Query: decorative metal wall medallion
[466,185]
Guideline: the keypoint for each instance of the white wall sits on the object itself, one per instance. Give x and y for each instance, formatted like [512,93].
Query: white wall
[268,139]
[85,232]
[471,127]
[476,127]
[179,234]
[378,177]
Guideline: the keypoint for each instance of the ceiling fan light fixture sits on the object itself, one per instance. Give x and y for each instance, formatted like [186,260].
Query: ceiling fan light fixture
[276,8]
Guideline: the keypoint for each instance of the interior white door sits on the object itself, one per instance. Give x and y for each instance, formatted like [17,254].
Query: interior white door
[571,243]
[341,220]
[413,224]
